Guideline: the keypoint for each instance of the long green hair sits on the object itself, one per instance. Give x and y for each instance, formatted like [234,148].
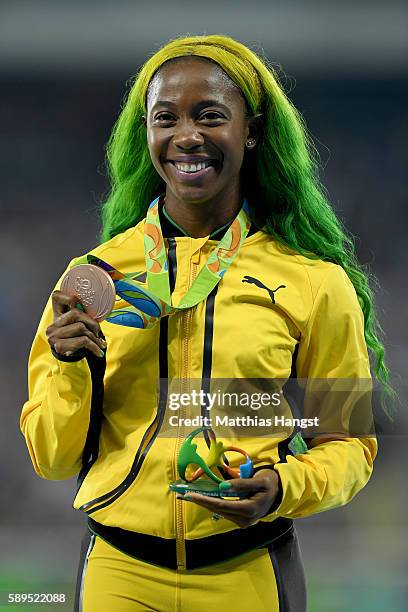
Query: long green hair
[280,176]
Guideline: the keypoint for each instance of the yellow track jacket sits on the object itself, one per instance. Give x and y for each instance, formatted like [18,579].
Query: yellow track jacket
[314,324]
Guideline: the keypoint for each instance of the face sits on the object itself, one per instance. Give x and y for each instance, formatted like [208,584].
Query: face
[197,128]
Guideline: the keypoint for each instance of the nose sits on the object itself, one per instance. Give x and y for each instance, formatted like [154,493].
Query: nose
[187,135]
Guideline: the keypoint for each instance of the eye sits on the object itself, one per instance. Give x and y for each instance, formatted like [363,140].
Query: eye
[214,114]
[163,117]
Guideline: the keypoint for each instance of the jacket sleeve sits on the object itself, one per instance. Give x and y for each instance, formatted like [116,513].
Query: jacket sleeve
[55,419]
[332,353]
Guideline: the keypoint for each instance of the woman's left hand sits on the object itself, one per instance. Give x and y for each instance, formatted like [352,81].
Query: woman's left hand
[264,487]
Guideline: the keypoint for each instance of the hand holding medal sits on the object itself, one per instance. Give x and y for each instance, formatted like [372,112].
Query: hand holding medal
[87,296]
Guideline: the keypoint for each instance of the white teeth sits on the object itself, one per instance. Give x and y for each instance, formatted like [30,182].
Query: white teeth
[192,167]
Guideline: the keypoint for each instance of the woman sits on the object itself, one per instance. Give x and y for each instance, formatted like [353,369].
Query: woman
[207,147]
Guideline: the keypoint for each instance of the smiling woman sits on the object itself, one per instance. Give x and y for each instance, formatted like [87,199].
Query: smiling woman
[197,130]
[236,268]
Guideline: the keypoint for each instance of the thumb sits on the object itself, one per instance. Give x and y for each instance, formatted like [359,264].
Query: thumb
[75,303]
[242,484]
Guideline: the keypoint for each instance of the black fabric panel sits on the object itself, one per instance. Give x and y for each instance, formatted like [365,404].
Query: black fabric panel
[295,397]
[267,466]
[172,259]
[151,549]
[293,372]
[208,338]
[97,367]
[284,450]
[221,547]
[86,540]
[168,229]
[207,351]
[289,574]
[199,552]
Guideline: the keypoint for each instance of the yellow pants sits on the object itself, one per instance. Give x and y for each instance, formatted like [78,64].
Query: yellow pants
[259,581]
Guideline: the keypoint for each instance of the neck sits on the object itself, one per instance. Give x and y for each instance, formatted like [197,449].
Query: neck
[201,219]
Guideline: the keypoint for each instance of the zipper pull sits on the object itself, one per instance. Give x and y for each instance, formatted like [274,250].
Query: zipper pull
[195,258]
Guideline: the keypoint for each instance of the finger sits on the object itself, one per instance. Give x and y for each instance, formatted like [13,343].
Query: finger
[244,517]
[62,302]
[75,330]
[68,308]
[243,507]
[71,345]
[75,323]
[74,316]
[243,485]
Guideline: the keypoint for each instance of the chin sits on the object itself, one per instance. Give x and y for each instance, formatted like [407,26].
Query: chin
[193,198]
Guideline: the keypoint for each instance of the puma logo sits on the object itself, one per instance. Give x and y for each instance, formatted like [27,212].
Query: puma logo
[258,283]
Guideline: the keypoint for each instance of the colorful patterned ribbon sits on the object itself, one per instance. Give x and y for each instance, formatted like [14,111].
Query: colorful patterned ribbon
[217,264]
[147,306]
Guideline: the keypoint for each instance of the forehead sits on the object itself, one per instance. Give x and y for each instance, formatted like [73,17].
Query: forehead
[191,77]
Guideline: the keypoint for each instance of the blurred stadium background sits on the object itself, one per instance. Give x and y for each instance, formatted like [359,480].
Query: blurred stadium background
[63,73]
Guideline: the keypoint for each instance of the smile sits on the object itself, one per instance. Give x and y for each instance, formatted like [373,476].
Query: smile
[192,171]
[193,167]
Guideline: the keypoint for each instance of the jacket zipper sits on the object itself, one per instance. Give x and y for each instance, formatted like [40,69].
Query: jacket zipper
[186,317]
[152,431]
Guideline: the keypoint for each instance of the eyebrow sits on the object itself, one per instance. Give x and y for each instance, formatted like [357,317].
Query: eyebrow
[197,107]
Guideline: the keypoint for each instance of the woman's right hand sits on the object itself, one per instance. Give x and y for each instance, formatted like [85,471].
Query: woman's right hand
[72,329]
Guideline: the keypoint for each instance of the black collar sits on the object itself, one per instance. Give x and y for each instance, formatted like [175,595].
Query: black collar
[170,230]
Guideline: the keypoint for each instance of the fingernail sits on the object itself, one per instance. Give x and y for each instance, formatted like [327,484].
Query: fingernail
[103,342]
[102,354]
[80,307]
[224,485]
[186,497]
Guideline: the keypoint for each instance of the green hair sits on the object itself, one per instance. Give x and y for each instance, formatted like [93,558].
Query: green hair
[287,200]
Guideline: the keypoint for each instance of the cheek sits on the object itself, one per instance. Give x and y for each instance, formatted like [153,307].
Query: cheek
[153,144]
[234,156]
[233,149]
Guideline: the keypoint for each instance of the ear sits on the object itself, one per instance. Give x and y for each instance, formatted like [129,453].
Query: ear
[143,120]
[255,124]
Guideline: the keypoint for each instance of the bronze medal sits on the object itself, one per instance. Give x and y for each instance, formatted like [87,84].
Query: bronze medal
[93,287]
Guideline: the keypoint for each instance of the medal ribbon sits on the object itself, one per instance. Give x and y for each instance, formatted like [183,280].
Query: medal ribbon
[147,306]
[214,269]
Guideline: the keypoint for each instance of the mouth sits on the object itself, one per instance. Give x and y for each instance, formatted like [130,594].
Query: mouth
[193,171]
